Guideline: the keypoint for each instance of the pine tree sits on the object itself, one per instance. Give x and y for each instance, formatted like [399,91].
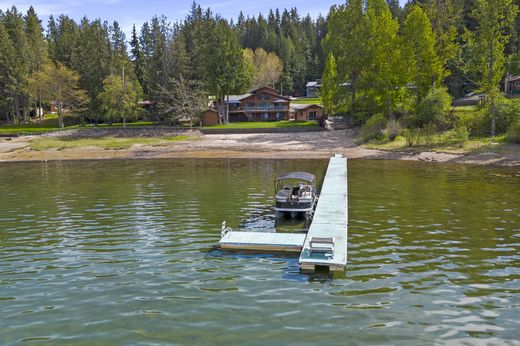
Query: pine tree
[7,73]
[137,59]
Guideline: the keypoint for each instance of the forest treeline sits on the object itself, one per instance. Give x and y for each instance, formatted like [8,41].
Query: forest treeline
[375,57]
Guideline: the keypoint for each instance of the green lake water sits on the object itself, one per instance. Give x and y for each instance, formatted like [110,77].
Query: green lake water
[123,252]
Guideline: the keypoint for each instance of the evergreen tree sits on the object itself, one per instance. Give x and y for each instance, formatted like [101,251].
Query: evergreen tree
[7,73]
[94,58]
[225,68]
[137,58]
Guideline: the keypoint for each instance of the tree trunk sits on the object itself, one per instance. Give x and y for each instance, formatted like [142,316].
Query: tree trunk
[40,109]
[493,117]
[353,103]
[492,97]
[60,116]
[16,117]
[227,109]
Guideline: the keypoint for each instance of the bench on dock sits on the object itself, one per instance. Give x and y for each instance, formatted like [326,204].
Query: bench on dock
[323,245]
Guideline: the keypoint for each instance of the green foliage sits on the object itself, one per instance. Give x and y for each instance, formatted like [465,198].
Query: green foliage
[62,89]
[393,129]
[460,134]
[329,88]
[507,113]
[433,109]
[427,133]
[419,53]
[486,45]
[412,136]
[373,128]
[513,133]
[119,99]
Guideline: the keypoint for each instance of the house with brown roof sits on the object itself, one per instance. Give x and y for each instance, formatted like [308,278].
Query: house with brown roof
[262,104]
[307,112]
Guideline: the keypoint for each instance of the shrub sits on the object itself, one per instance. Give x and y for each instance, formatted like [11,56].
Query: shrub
[434,108]
[459,134]
[412,136]
[507,114]
[393,129]
[427,134]
[513,134]
[473,120]
[373,128]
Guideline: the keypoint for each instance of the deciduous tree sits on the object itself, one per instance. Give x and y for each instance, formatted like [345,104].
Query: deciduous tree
[486,45]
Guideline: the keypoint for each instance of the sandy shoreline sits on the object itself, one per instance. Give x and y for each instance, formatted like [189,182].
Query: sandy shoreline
[309,145]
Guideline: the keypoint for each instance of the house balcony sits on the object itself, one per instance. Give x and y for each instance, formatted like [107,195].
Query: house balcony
[260,109]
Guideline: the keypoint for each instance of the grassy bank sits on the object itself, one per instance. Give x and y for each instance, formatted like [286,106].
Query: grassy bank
[442,144]
[107,143]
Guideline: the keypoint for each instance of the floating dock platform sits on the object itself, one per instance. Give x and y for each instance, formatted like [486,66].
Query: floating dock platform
[325,244]
[263,241]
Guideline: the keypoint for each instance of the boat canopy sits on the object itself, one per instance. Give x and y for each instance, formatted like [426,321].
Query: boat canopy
[298,175]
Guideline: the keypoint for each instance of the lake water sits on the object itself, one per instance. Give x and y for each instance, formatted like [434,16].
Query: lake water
[123,252]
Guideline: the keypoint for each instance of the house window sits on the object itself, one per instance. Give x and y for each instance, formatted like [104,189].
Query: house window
[313,115]
[250,105]
[265,116]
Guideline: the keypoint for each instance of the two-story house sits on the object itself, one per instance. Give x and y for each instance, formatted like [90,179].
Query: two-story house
[262,104]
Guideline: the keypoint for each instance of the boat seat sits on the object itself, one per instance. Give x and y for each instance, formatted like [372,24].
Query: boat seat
[322,245]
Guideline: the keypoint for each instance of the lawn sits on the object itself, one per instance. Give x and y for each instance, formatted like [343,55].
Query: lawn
[307,101]
[265,125]
[107,143]
[50,123]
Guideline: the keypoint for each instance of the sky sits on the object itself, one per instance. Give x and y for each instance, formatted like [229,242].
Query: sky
[129,12]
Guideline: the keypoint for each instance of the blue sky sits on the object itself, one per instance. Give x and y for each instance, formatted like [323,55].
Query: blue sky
[128,12]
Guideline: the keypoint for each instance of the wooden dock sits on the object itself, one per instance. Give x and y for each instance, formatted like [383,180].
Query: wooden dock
[325,244]
[329,224]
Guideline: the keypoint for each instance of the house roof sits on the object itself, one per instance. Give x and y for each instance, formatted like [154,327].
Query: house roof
[236,99]
[313,84]
[514,79]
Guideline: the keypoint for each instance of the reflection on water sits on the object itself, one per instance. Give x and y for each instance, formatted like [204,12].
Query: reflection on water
[123,252]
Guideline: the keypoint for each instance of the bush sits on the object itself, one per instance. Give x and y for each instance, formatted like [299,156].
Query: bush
[428,134]
[373,129]
[434,108]
[412,136]
[473,120]
[507,114]
[513,134]
[459,134]
[393,129]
